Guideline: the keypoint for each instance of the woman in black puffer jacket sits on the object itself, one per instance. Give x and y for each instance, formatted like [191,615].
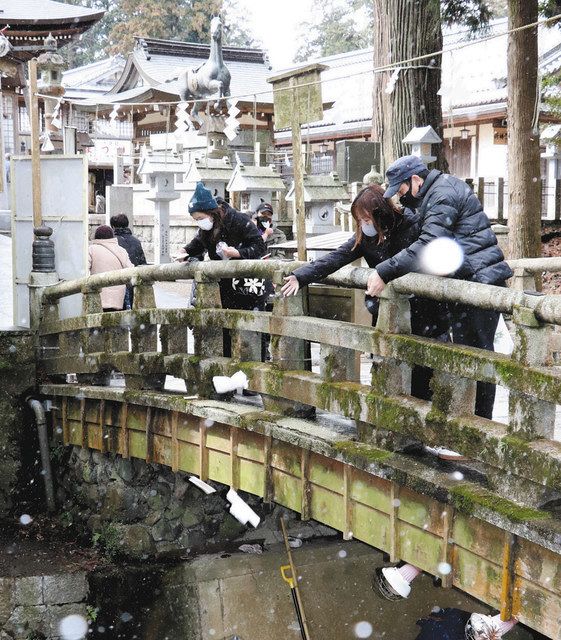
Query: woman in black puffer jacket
[382,231]
[225,233]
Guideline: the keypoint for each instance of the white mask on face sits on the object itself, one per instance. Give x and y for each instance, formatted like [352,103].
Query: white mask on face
[368,229]
[205,224]
[266,224]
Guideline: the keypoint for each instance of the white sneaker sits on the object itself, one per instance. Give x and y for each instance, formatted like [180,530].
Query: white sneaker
[445,454]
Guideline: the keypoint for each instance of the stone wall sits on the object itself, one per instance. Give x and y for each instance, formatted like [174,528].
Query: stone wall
[141,509]
[17,377]
[32,605]
[138,509]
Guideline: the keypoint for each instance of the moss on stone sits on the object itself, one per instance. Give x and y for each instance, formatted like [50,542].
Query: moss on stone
[468,498]
[362,451]
[345,394]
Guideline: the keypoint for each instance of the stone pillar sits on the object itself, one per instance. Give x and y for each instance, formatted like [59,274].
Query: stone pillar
[161,225]
[529,417]
[43,272]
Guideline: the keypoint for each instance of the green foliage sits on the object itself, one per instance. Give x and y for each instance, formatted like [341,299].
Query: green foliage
[91,613]
[108,539]
[185,20]
[474,14]
[339,26]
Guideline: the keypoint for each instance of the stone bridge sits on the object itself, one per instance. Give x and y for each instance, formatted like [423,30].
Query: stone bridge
[325,441]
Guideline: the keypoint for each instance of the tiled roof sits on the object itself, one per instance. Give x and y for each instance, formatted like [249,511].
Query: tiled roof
[247,77]
[321,188]
[41,11]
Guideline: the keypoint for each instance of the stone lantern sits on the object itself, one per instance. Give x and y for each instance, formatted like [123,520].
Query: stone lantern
[159,171]
[254,184]
[214,173]
[421,140]
[50,66]
[321,192]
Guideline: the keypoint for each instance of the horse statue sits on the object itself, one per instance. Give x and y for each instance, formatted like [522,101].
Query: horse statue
[212,76]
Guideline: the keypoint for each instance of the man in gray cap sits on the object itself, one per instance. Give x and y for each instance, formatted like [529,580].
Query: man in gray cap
[448,208]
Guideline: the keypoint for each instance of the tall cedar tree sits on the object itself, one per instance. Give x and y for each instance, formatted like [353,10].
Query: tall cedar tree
[404,30]
[524,184]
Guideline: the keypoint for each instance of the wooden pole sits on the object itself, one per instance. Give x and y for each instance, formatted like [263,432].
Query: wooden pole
[299,207]
[35,148]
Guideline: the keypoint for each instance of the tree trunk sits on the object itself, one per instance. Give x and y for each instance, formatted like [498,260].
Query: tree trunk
[524,182]
[403,30]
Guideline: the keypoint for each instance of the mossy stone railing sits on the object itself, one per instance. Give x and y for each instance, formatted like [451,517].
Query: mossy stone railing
[146,343]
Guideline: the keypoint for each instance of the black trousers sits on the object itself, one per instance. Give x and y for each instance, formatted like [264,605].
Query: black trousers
[476,328]
[247,303]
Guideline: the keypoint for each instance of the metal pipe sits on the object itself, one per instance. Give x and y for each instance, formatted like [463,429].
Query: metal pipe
[40,419]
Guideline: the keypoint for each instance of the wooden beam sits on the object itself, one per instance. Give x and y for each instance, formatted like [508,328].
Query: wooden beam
[299,205]
[83,423]
[507,584]
[124,446]
[203,452]
[174,441]
[149,436]
[447,547]
[305,484]
[394,523]
[234,459]
[35,144]
[65,430]
[268,469]
[104,434]
[347,502]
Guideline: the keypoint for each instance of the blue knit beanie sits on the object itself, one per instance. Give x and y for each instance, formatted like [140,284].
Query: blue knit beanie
[202,199]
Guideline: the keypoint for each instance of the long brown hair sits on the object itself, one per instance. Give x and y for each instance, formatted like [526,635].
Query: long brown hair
[383,212]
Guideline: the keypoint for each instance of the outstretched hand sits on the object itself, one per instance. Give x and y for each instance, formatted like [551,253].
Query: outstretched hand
[375,285]
[290,287]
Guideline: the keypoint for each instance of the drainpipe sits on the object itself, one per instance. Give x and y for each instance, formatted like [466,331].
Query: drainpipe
[39,411]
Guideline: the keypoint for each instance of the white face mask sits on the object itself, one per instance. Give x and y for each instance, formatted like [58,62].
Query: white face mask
[368,229]
[265,224]
[205,224]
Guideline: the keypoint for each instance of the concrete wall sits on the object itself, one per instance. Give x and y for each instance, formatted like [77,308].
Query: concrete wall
[30,605]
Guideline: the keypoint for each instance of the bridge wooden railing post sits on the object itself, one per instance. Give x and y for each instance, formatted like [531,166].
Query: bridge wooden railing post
[287,354]
[530,417]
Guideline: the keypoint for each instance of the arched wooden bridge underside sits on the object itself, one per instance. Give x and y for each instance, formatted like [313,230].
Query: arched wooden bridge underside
[503,554]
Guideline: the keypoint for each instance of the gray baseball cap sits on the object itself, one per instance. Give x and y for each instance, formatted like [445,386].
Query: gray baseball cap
[400,171]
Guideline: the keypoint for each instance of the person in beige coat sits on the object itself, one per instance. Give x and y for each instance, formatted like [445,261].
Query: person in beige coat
[105,254]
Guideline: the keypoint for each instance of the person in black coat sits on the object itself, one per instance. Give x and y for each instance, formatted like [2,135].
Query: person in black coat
[382,231]
[132,245]
[125,238]
[225,233]
[456,624]
[448,208]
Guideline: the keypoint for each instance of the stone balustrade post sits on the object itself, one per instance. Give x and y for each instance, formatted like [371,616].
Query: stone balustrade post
[522,280]
[143,336]
[286,353]
[208,340]
[530,417]
[391,376]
